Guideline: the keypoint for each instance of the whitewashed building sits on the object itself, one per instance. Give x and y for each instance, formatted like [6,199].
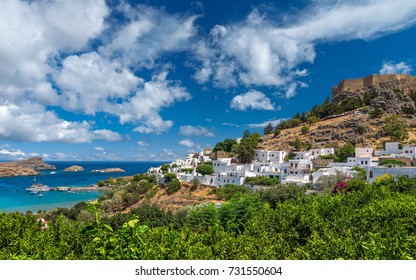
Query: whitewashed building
[376,171]
[269,156]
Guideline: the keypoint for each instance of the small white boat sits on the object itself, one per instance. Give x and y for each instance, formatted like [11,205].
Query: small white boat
[53,172]
[40,195]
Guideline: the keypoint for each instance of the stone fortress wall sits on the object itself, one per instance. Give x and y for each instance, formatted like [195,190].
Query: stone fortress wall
[357,84]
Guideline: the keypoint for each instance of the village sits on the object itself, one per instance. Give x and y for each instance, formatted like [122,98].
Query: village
[306,167]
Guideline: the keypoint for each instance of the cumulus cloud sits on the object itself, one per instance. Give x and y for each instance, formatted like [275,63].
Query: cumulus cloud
[99,149]
[31,122]
[260,51]
[251,100]
[6,151]
[149,33]
[395,68]
[188,143]
[189,130]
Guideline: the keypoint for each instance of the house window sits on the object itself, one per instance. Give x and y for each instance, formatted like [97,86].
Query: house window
[371,174]
[285,171]
[362,162]
[366,162]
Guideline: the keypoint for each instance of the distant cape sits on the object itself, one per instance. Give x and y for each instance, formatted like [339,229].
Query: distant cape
[28,167]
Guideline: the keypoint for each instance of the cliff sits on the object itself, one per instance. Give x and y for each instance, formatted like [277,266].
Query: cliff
[28,167]
[390,96]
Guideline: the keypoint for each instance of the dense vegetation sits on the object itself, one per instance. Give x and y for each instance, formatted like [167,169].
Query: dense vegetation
[351,221]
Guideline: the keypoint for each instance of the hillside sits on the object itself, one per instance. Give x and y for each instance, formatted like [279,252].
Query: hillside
[28,167]
[390,97]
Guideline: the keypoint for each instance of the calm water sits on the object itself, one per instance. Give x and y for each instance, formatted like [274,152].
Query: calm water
[14,197]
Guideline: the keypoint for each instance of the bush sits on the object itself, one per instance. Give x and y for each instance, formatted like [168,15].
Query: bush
[390,162]
[169,176]
[173,186]
[229,190]
[396,128]
[361,129]
[304,129]
[205,169]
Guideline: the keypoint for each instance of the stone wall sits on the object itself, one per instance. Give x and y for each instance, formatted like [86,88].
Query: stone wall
[357,84]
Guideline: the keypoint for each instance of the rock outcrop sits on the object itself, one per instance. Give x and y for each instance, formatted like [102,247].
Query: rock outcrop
[74,168]
[110,170]
[28,167]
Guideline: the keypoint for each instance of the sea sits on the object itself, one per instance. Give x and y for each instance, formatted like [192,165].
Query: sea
[15,197]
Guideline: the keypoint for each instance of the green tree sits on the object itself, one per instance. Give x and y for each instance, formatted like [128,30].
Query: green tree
[169,176]
[297,144]
[304,129]
[165,167]
[225,145]
[396,128]
[376,112]
[268,129]
[173,186]
[205,169]
[347,151]
[246,151]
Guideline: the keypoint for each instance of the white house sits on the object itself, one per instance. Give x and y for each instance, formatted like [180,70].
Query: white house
[376,171]
[363,152]
[321,152]
[269,156]
[389,149]
[409,152]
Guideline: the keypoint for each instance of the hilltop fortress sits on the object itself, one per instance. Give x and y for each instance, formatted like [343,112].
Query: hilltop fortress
[353,85]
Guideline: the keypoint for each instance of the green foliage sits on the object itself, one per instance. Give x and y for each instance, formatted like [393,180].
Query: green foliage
[396,128]
[276,132]
[195,184]
[268,129]
[281,193]
[173,186]
[205,169]
[262,181]
[297,144]
[165,167]
[304,129]
[361,129]
[408,110]
[101,183]
[391,162]
[169,176]
[246,148]
[347,151]
[362,172]
[312,119]
[229,190]
[376,112]
[225,145]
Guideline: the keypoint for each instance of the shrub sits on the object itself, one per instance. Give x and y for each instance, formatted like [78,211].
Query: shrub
[389,162]
[361,129]
[169,176]
[304,129]
[173,186]
[205,169]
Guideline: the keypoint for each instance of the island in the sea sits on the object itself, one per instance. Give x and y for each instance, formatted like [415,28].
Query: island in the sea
[74,168]
[109,170]
[28,167]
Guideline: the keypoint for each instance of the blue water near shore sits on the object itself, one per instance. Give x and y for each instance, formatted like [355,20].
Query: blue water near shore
[15,197]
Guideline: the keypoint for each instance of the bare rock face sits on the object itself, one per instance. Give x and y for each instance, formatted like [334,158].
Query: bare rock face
[74,168]
[110,170]
[28,167]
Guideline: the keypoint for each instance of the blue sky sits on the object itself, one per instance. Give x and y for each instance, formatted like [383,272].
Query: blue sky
[153,80]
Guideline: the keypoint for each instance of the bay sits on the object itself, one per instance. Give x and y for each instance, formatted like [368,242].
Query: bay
[15,197]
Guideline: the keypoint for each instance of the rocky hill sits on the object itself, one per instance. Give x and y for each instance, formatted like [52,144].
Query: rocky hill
[356,125]
[28,167]
[74,168]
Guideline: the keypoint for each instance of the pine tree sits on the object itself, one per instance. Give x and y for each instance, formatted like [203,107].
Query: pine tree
[268,129]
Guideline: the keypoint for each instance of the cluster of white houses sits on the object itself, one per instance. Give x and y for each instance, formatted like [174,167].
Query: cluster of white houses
[306,167]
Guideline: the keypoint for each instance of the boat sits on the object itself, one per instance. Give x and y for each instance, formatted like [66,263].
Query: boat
[40,195]
[53,172]
[38,188]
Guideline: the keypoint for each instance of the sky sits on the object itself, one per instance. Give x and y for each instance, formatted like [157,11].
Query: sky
[155,80]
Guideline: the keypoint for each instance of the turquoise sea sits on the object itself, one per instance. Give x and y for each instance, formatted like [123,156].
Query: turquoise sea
[15,197]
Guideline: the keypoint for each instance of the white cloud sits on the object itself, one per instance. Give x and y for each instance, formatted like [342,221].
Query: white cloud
[149,33]
[251,100]
[6,151]
[274,122]
[31,122]
[261,52]
[91,83]
[99,149]
[395,68]
[188,143]
[188,130]
[142,144]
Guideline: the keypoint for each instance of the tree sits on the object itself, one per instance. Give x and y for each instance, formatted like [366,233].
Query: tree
[246,151]
[268,129]
[205,169]
[297,144]
[225,145]
[169,176]
[396,128]
[376,112]
[347,151]
[246,134]
[304,129]
[173,186]
[312,119]
[165,167]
